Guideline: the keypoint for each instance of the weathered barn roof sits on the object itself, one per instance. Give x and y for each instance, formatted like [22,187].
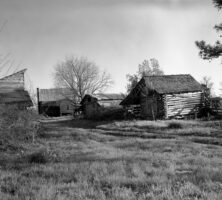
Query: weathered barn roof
[109,96]
[104,96]
[164,84]
[88,98]
[167,84]
[12,89]
[216,99]
[54,94]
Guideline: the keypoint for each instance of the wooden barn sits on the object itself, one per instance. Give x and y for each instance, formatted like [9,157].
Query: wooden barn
[55,102]
[12,90]
[92,105]
[166,96]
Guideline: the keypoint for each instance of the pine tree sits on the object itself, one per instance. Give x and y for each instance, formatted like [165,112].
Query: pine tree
[209,51]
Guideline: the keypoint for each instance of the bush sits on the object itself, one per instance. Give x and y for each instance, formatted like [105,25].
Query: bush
[110,113]
[206,112]
[17,126]
[175,125]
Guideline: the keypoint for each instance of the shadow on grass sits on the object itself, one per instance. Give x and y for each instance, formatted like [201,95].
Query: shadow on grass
[19,163]
[76,123]
[140,134]
[88,157]
[208,141]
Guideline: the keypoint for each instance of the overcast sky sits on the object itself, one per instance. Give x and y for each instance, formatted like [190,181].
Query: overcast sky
[116,34]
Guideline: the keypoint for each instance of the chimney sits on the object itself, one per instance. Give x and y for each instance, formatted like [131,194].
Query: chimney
[38,103]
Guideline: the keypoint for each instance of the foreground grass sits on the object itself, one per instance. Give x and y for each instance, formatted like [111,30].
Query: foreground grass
[119,160]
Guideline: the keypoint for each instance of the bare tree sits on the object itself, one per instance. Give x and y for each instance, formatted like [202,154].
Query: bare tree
[220,88]
[132,81]
[31,90]
[8,65]
[81,76]
[147,68]
[207,81]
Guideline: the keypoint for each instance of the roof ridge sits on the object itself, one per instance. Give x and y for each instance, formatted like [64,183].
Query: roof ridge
[53,88]
[108,93]
[168,75]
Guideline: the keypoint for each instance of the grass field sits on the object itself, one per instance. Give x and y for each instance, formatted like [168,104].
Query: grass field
[116,160]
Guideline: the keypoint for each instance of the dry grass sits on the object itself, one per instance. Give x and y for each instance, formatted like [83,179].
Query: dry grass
[118,160]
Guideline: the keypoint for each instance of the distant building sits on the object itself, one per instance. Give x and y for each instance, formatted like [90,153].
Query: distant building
[92,105]
[166,96]
[12,90]
[55,102]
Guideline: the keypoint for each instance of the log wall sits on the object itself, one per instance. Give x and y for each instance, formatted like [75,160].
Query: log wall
[182,104]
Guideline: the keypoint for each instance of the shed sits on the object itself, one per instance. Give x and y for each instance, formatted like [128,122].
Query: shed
[12,90]
[166,96]
[55,102]
[92,105]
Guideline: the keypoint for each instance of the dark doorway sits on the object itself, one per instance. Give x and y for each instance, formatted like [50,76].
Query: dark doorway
[51,111]
[151,108]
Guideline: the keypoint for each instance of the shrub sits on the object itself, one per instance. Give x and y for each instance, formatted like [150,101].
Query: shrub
[206,112]
[175,125]
[17,126]
[110,113]
[39,157]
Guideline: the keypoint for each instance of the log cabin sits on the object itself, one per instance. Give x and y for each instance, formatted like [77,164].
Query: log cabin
[12,90]
[93,105]
[166,96]
[55,102]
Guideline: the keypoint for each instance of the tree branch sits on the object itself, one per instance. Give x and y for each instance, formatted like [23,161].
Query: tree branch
[208,51]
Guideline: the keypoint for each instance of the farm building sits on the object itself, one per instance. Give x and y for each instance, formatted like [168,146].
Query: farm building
[216,105]
[92,105]
[165,96]
[12,90]
[55,102]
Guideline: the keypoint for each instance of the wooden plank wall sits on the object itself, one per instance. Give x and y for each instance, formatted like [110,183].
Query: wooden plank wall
[182,104]
[12,82]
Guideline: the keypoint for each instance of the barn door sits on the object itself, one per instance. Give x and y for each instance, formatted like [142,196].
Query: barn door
[151,106]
